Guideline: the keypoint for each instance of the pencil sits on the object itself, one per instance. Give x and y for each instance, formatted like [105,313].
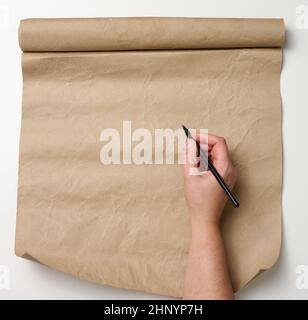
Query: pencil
[211,167]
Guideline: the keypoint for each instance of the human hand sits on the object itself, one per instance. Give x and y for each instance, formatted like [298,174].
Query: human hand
[205,197]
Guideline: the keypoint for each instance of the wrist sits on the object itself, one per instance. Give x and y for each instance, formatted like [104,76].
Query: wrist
[201,223]
[205,217]
[203,234]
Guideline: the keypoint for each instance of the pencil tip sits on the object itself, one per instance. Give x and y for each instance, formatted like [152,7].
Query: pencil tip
[185,130]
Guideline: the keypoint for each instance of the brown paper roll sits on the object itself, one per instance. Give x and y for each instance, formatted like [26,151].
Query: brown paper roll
[128,225]
[111,34]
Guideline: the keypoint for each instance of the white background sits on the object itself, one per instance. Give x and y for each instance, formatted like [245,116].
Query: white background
[29,280]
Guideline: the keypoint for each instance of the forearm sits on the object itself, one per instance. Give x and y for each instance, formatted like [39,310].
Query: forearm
[207,275]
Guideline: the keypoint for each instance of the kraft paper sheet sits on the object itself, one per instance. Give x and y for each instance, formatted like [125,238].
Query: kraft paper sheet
[127,225]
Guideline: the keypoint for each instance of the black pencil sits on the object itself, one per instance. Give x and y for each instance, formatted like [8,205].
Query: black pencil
[211,167]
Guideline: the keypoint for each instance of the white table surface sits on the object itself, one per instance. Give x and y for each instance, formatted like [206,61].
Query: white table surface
[29,280]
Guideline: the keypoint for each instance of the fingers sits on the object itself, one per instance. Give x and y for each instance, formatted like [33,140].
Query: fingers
[215,146]
[191,158]
[194,165]
[219,149]
[203,141]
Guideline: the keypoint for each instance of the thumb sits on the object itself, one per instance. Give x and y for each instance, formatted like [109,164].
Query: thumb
[191,162]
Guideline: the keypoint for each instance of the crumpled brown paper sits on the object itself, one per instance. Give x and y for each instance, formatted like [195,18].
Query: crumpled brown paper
[127,225]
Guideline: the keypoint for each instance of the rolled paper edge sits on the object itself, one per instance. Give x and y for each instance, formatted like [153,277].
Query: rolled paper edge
[120,34]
